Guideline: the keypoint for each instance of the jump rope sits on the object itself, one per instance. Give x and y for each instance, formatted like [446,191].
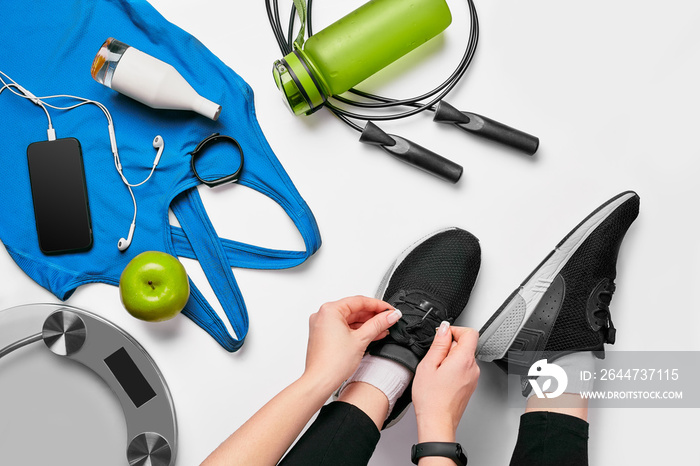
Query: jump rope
[388,108]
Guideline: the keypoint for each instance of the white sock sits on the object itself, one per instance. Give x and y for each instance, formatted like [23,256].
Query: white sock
[573,364]
[390,377]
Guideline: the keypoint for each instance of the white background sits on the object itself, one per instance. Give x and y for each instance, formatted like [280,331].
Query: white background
[611,89]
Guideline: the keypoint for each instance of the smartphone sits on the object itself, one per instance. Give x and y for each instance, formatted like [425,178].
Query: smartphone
[59,193]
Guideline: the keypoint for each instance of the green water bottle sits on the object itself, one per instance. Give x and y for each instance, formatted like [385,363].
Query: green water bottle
[355,47]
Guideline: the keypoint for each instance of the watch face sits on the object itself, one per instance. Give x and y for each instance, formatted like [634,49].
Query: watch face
[460,454]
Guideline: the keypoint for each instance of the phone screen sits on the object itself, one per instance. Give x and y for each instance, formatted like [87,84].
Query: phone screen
[59,193]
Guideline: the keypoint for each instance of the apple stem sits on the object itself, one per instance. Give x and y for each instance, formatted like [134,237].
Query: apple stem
[151,283]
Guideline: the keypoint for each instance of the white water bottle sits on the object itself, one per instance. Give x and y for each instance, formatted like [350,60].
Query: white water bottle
[148,80]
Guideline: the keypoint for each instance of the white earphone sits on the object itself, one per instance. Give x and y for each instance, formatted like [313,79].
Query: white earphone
[124,243]
[158,143]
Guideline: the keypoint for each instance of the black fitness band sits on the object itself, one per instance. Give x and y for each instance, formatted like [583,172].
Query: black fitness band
[232,178]
[449,450]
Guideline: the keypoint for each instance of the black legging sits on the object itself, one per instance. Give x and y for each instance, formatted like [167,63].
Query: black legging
[343,435]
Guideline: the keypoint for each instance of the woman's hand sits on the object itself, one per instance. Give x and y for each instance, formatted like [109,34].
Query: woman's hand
[338,337]
[339,334]
[445,380]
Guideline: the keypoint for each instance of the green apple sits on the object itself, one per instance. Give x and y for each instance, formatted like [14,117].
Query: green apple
[154,286]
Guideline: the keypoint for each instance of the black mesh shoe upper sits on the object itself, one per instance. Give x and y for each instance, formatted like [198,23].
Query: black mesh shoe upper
[584,321]
[431,284]
[574,311]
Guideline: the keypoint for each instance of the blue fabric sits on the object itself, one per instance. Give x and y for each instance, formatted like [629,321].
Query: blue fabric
[48,47]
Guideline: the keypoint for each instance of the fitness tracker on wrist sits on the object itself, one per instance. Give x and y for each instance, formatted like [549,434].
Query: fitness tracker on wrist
[449,450]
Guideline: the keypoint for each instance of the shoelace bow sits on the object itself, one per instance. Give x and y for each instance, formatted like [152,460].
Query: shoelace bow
[603,311]
[421,316]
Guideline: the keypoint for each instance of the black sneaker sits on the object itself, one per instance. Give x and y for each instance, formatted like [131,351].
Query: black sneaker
[562,306]
[429,282]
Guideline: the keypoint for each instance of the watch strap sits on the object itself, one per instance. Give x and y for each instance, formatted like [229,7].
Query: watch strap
[449,450]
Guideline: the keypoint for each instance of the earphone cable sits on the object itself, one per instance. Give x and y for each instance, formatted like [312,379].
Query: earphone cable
[21,93]
[41,101]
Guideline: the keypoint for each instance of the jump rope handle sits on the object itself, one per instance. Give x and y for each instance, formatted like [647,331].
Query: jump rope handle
[486,128]
[412,153]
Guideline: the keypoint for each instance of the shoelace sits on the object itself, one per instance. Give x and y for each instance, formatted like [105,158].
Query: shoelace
[421,316]
[603,312]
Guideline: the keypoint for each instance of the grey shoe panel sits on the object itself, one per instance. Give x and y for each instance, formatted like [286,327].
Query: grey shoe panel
[497,337]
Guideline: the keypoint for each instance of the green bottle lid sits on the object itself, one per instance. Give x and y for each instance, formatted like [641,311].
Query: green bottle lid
[301,90]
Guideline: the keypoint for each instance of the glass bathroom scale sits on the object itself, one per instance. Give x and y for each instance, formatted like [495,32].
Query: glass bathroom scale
[77,390]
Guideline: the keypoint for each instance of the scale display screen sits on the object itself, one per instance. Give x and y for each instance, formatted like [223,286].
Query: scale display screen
[130,377]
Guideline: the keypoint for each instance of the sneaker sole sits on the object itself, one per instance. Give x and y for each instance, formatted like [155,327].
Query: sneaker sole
[498,334]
